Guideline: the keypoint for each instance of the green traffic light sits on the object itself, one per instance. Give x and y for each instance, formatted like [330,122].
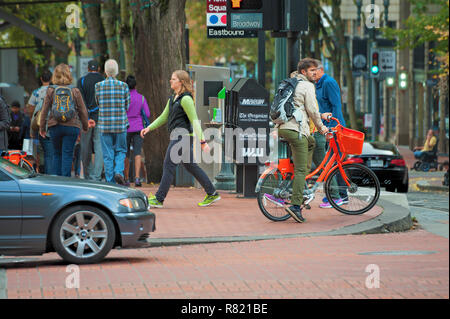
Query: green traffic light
[375,69]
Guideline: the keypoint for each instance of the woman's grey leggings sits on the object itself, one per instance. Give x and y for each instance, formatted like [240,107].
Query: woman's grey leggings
[187,159]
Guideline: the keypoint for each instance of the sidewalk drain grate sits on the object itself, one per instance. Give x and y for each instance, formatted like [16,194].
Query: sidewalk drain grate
[400,252]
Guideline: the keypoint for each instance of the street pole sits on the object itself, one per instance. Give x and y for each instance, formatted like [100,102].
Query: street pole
[77,44]
[262,58]
[372,84]
[292,52]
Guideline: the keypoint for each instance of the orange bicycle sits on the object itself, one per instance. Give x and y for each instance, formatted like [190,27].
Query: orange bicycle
[18,158]
[274,187]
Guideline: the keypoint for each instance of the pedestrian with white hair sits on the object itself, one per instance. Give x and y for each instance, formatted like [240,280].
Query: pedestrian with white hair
[113,99]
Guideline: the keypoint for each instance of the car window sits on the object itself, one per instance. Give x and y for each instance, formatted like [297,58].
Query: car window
[4,177]
[12,169]
[379,148]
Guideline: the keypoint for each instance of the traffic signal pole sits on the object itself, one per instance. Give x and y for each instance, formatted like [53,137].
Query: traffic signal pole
[373,96]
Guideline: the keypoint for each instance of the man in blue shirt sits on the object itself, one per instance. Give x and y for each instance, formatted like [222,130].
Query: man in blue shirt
[328,96]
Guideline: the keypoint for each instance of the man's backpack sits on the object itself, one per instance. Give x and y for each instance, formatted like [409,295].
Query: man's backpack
[282,108]
[63,107]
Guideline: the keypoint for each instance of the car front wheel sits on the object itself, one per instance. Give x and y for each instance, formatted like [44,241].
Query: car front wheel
[83,234]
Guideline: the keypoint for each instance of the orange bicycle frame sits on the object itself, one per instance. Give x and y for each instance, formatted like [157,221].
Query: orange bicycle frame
[285,165]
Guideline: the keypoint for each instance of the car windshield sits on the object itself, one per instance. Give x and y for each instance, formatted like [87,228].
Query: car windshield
[14,170]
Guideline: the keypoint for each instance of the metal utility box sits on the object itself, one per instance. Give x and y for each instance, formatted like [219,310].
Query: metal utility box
[247,112]
[207,82]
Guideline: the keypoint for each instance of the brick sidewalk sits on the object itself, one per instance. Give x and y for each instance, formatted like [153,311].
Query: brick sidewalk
[415,264]
[232,216]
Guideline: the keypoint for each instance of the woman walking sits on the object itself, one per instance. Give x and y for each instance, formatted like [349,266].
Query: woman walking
[138,109]
[67,110]
[181,116]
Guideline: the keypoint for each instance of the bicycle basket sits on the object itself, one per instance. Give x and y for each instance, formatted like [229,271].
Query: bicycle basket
[350,141]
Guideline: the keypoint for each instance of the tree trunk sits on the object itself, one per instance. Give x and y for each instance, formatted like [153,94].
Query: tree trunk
[96,32]
[109,19]
[420,115]
[27,75]
[160,50]
[411,104]
[126,36]
[427,105]
[443,103]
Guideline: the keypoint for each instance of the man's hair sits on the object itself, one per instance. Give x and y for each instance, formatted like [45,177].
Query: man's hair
[15,104]
[131,81]
[305,64]
[319,64]
[46,76]
[111,68]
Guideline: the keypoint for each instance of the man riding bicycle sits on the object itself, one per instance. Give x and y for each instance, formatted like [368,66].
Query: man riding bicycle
[298,134]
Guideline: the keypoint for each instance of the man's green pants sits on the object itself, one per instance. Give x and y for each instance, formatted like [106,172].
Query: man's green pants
[301,149]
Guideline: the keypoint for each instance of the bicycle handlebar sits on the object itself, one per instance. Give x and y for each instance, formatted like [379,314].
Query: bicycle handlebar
[333,129]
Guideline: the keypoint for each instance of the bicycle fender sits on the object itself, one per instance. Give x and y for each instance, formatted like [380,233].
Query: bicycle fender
[269,170]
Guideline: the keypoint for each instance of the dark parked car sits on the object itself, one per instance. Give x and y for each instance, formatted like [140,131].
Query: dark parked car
[80,220]
[387,163]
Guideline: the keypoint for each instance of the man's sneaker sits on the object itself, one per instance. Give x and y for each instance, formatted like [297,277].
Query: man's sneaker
[153,202]
[274,200]
[209,199]
[338,202]
[119,179]
[296,213]
[137,182]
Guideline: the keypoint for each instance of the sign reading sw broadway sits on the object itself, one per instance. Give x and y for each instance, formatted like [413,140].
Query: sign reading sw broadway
[216,21]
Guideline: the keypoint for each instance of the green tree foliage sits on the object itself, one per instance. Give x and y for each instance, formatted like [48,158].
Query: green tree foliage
[49,18]
[422,27]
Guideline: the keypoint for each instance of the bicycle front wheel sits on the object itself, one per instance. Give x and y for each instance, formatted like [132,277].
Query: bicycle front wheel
[273,195]
[362,194]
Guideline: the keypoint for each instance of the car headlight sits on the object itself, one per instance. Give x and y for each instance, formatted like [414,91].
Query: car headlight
[133,204]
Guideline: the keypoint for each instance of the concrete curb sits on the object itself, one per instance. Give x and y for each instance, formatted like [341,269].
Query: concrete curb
[3,284]
[395,217]
[425,186]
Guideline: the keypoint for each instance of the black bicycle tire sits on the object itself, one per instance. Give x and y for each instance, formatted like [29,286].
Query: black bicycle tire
[341,209]
[261,206]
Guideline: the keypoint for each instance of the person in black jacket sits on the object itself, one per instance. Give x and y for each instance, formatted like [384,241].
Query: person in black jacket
[90,141]
[17,117]
[4,124]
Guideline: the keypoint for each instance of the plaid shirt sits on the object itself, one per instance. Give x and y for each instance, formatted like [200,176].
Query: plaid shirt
[113,99]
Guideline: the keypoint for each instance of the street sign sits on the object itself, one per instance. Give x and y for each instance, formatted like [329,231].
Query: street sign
[249,21]
[359,61]
[222,32]
[216,22]
[387,60]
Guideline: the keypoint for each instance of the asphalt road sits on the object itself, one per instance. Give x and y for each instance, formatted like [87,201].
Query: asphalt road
[431,211]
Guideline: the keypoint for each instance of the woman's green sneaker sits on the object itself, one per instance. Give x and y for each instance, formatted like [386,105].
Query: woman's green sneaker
[209,199]
[153,202]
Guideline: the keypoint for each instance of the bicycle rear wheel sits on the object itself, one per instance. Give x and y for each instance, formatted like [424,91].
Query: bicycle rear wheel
[26,165]
[363,192]
[273,195]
